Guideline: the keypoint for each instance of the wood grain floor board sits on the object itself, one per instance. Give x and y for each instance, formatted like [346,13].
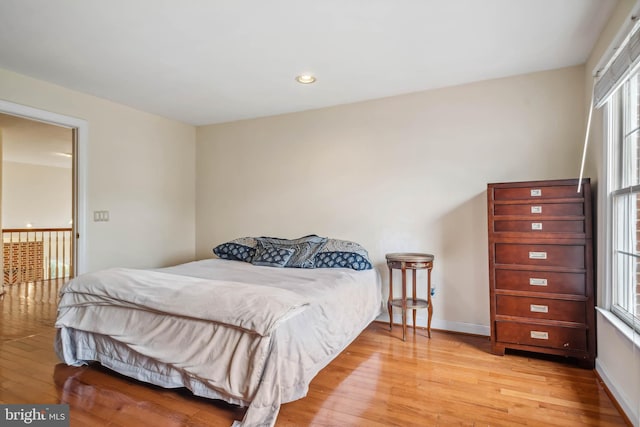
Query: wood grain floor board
[379,380]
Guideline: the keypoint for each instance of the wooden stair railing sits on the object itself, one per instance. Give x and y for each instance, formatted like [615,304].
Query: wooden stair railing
[35,254]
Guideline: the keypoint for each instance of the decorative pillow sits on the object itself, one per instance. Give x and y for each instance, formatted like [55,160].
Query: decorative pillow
[271,255]
[308,252]
[342,260]
[305,249]
[343,254]
[336,245]
[242,249]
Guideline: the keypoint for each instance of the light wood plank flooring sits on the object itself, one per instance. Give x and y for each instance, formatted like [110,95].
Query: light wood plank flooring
[378,380]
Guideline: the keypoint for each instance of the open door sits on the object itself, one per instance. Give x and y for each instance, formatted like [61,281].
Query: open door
[75,235]
[1,258]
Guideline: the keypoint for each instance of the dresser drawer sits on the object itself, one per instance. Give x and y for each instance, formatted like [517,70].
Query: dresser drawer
[542,335]
[537,192]
[541,281]
[571,256]
[541,268]
[533,226]
[541,308]
[546,209]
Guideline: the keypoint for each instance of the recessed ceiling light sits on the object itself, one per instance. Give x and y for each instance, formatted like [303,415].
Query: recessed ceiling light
[306,79]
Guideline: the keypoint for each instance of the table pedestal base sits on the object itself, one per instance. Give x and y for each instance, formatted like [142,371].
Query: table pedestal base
[413,262]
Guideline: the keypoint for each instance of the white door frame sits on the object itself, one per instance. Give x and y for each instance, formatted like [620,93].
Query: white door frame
[82,127]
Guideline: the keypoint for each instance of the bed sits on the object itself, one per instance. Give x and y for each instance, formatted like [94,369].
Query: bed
[249,334]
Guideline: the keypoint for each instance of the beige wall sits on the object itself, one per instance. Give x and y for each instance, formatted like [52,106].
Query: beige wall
[618,361]
[140,168]
[405,173]
[36,194]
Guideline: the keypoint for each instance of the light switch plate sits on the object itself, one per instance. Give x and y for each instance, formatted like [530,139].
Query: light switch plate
[100,216]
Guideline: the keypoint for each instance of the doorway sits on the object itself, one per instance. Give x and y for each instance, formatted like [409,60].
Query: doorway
[70,257]
[37,200]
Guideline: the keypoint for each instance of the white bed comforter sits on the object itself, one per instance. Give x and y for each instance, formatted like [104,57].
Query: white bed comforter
[250,335]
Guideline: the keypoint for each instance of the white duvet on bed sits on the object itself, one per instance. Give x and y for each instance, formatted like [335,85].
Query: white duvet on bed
[246,334]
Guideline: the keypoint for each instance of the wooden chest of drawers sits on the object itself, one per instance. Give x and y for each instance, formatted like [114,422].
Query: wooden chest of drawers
[541,268]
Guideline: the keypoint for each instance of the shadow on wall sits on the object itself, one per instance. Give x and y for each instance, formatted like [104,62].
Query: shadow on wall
[459,241]
[463,291]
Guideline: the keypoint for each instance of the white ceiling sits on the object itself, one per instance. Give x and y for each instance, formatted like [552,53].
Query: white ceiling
[212,61]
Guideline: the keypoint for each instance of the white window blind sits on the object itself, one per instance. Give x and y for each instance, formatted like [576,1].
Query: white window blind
[618,68]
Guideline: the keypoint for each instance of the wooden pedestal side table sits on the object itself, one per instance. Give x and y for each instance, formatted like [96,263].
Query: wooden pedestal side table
[413,262]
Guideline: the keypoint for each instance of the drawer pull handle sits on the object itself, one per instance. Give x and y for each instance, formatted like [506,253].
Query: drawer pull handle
[539,335]
[536,226]
[536,192]
[537,282]
[539,308]
[537,255]
[536,209]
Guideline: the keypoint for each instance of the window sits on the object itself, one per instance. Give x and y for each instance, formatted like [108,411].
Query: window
[623,120]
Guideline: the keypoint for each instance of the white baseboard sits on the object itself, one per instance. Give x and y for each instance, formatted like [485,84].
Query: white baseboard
[622,399]
[467,328]
[444,325]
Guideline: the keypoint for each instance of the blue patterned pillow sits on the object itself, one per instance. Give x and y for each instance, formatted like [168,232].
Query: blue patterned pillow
[271,255]
[343,254]
[305,249]
[242,249]
[342,260]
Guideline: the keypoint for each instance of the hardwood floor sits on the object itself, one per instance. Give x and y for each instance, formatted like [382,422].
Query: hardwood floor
[378,380]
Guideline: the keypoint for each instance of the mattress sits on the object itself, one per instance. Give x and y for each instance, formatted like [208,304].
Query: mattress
[250,335]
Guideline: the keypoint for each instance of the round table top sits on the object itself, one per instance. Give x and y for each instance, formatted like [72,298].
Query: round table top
[409,257]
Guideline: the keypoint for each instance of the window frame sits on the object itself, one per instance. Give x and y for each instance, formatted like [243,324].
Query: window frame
[617,112]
